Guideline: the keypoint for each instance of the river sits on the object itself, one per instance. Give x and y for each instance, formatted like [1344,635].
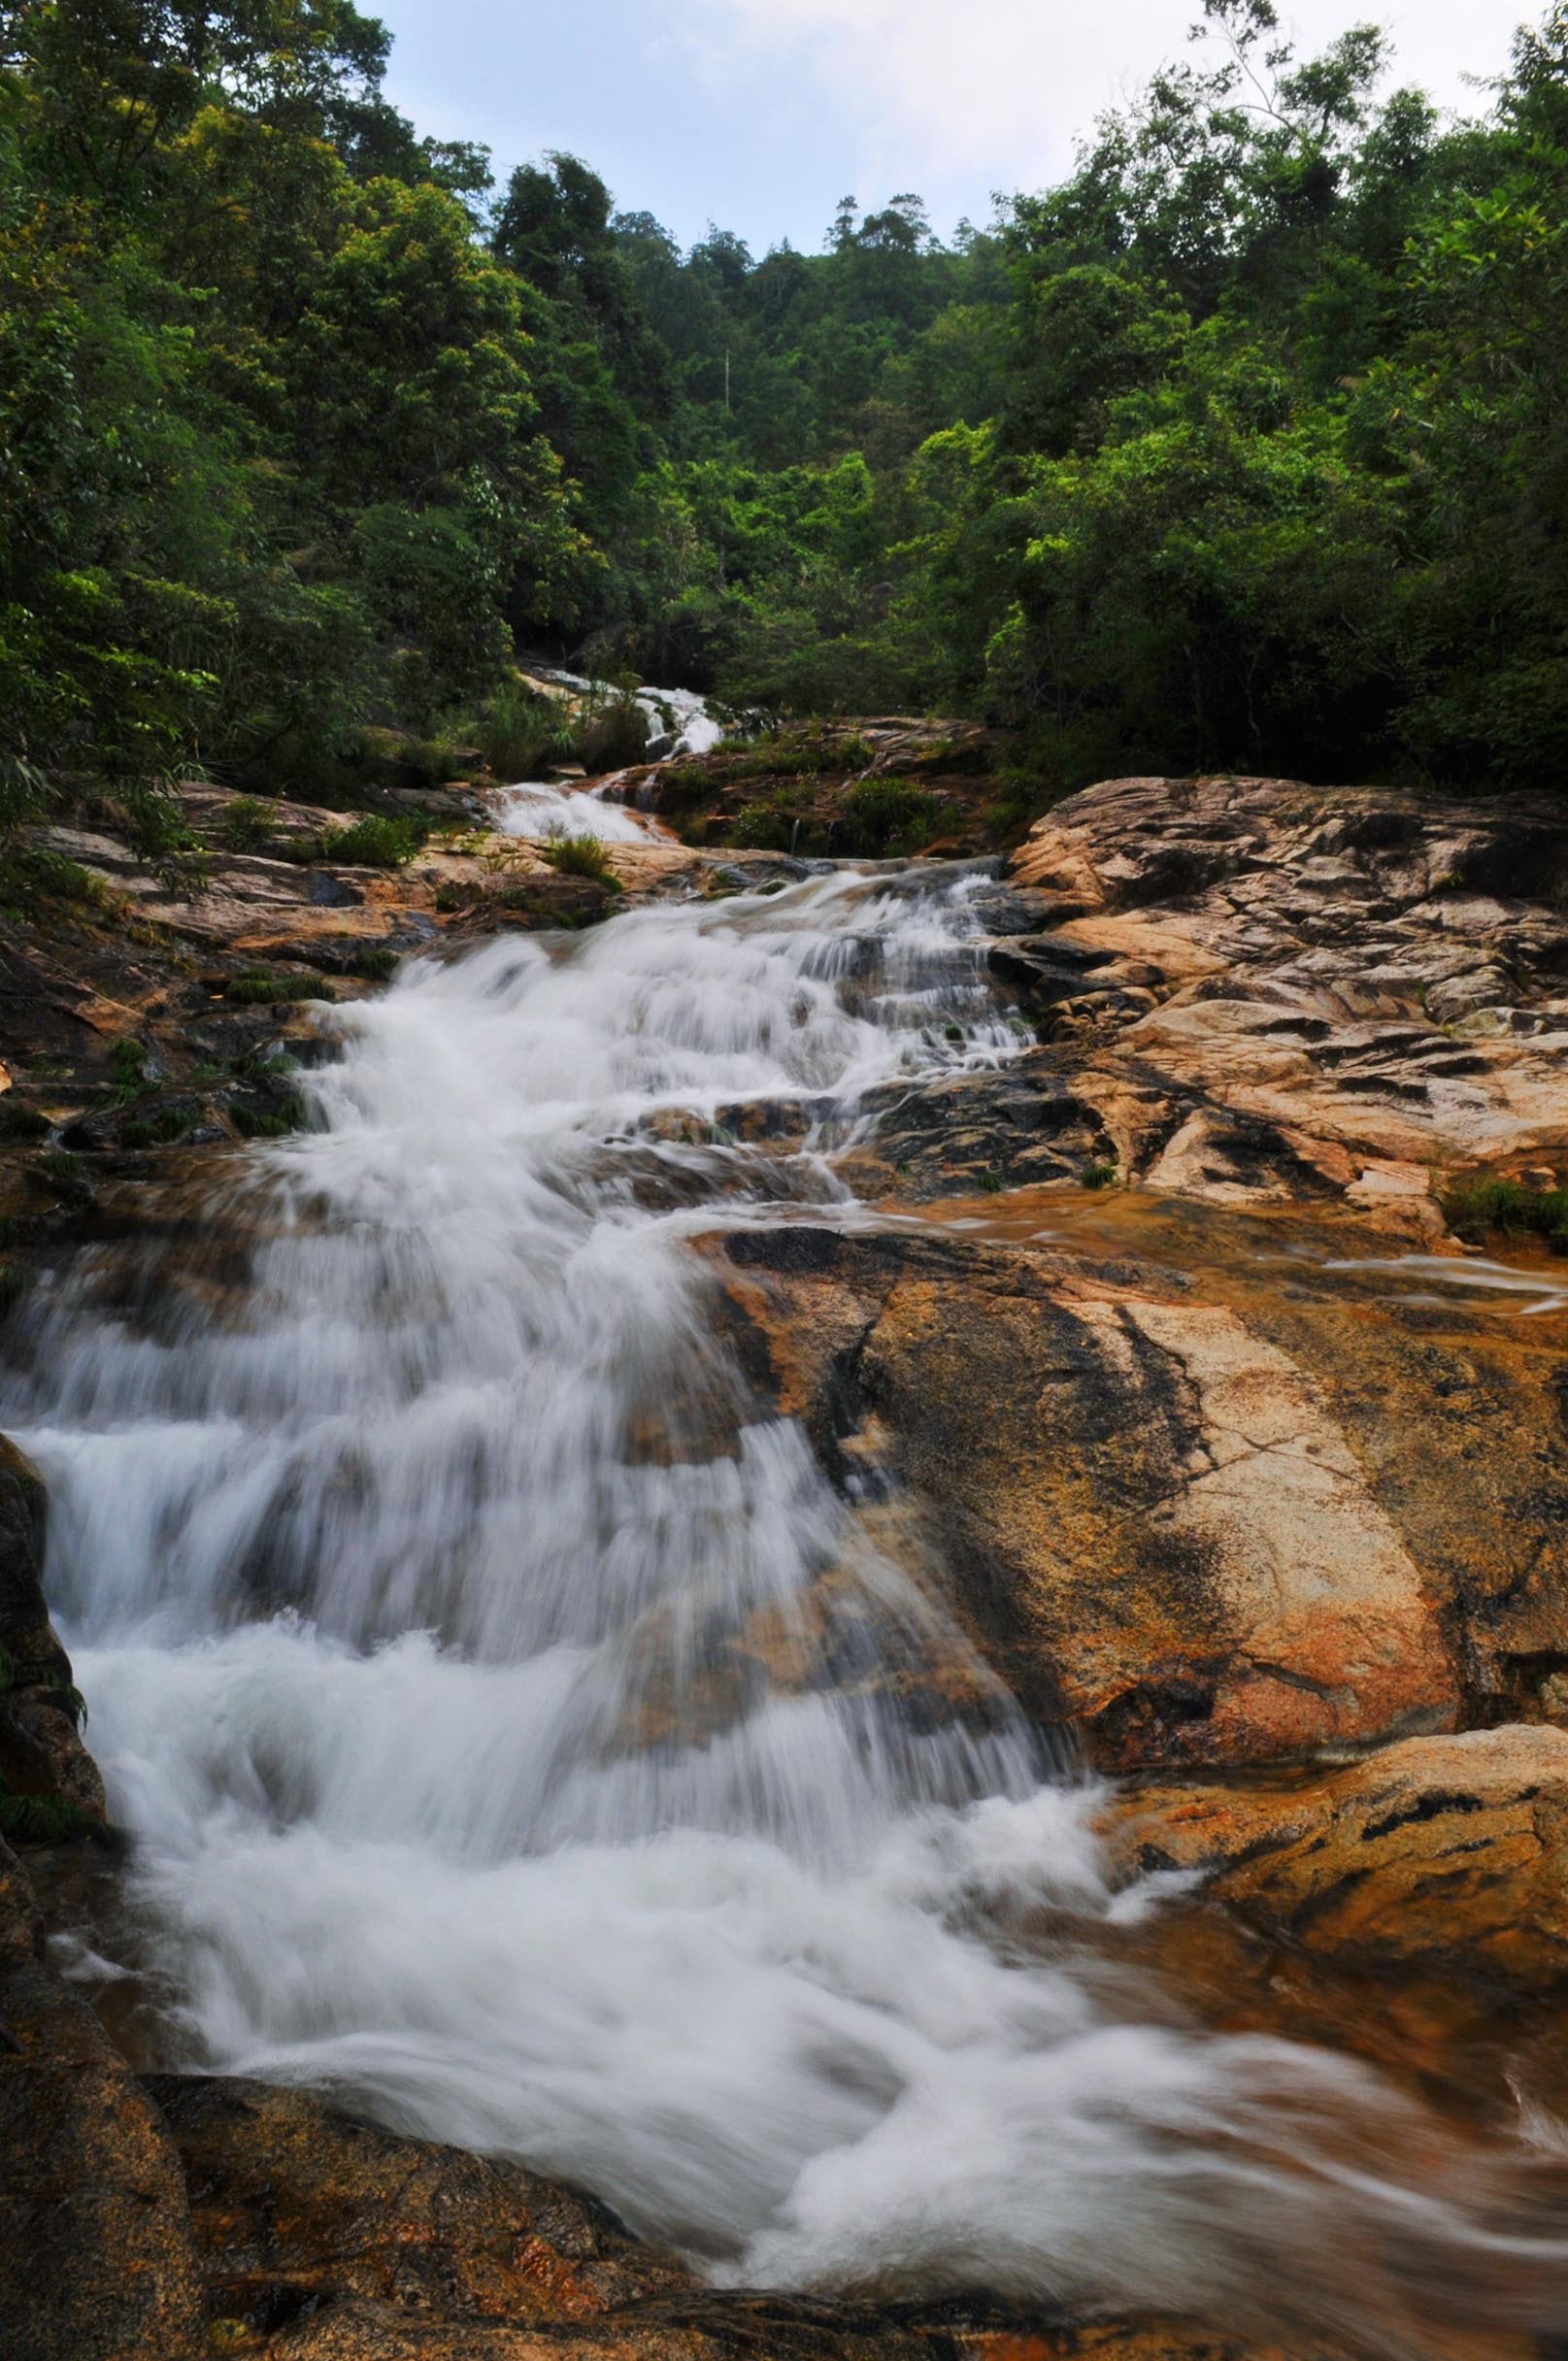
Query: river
[396,1567]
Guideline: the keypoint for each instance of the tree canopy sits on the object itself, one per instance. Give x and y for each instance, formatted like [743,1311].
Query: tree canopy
[1241,447]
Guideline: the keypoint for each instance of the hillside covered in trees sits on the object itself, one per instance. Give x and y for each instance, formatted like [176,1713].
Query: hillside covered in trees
[1243,448]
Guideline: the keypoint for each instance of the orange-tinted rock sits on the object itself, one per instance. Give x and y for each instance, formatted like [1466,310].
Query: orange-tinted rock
[1443,1855]
[97,2260]
[295,2202]
[1146,1517]
[1377,975]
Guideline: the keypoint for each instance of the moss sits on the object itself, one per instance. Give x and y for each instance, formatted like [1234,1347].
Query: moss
[1478,1211]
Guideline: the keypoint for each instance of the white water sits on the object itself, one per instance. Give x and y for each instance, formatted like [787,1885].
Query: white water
[453,1626]
[679,714]
[536,808]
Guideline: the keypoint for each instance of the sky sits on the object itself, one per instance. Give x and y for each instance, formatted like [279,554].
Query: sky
[760,115]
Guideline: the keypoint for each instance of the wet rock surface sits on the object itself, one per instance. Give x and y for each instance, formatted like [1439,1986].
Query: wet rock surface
[1257,980]
[1146,1514]
[1287,1545]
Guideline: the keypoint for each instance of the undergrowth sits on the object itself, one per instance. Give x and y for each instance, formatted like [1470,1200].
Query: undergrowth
[1478,1211]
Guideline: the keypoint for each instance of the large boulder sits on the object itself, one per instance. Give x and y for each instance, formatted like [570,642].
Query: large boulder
[1376,979]
[1146,1517]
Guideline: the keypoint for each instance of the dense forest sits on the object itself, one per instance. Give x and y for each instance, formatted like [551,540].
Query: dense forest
[1243,448]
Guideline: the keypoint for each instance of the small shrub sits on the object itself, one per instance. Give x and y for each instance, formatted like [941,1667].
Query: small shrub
[36,879]
[762,827]
[376,841]
[255,988]
[127,1071]
[578,856]
[375,965]
[616,737]
[161,1128]
[248,824]
[1481,1210]
[43,1819]
[272,1122]
[1100,1176]
[20,1125]
[522,735]
[885,817]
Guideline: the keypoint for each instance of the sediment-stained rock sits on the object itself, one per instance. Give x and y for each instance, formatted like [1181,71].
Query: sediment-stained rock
[1377,979]
[1448,1855]
[96,2258]
[1146,1517]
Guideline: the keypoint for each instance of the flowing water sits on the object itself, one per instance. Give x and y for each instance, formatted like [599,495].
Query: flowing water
[454,1619]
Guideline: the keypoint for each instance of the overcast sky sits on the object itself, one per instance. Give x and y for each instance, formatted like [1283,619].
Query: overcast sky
[761,114]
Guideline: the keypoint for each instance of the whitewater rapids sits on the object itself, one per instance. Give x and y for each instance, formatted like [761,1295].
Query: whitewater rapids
[394,1574]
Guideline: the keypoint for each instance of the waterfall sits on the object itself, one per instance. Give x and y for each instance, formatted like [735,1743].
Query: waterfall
[450,1615]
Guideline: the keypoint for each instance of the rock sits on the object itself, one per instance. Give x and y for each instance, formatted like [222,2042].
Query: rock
[42,1761]
[1146,1517]
[25,1635]
[1448,1855]
[1303,959]
[96,2259]
[295,2203]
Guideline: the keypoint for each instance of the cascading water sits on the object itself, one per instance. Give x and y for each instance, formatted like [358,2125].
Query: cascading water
[539,810]
[451,1620]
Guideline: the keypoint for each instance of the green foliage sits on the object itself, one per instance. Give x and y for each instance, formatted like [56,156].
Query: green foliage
[373,841]
[248,824]
[522,735]
[1240,450]
[254,987]
[43,1819]
[375,965]
[1482,1211]
[578,856]
[1100,1176]
[127,1071]
[882,816]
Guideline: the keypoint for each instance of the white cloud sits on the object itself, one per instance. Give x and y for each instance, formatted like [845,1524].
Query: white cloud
[997,90]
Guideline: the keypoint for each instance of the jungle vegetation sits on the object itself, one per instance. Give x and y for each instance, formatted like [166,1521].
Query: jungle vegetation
[1245,448]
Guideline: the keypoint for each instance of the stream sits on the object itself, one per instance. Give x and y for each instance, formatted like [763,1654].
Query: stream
[396,1566]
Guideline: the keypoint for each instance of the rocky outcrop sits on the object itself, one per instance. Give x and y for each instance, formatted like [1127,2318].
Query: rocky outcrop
[1146,1515]
[1361,983]
[1446,1855]
[49,1782]
[1200,1517]
[96,2257]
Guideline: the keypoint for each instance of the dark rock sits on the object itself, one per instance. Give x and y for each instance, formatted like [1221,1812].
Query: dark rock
[96,2258]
